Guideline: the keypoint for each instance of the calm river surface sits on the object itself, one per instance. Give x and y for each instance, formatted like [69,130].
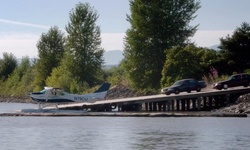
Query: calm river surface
[121,133]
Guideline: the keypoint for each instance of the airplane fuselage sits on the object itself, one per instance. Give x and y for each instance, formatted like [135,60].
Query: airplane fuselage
[66,97]
[57,95]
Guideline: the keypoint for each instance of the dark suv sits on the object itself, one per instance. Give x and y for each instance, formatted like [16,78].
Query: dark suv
[233,81]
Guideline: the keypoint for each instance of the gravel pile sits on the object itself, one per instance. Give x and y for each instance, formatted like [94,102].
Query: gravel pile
[120,91]
[242,105]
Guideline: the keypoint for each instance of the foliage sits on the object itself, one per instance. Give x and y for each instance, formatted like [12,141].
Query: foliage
[19,81]
[83,45]
[208,61]
[7,65]
[26,75]
[60,77]
[156,25]
[50,52]
[180,63]
[115,76]
[187,62]
[235,50]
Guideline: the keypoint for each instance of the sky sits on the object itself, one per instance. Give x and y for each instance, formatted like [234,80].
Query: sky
[22,22]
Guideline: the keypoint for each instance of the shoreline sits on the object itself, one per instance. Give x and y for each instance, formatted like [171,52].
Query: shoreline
[66,113]
[15,99]
[238,109]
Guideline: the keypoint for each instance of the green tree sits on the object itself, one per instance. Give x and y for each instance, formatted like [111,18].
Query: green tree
[25,69]
[156,25]
[208,60]
[181,63]
[19,81]
[115,76]
[25,65]
[189,62]
[50,52]
[84,45]
[235,50]
[60,77]
[7,65]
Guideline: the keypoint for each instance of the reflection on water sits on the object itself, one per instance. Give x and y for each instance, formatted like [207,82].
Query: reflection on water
[143,133]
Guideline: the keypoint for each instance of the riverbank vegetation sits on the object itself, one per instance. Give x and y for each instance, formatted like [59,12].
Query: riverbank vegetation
[157,52]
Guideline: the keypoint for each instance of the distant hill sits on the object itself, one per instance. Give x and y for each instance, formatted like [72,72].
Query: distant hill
[113,57]
[215,47]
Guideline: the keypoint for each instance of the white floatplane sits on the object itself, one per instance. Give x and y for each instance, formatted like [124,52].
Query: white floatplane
[51,95]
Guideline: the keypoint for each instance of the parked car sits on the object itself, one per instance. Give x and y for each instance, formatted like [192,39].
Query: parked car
[185,85]
[242,79]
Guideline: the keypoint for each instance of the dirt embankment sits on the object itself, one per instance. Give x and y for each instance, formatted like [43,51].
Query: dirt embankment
[120,91]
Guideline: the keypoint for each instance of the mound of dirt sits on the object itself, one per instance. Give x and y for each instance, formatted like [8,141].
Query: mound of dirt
[120,91]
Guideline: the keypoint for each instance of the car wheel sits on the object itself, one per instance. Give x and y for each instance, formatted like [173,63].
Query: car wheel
[198,89]
[176,92]
[225,86]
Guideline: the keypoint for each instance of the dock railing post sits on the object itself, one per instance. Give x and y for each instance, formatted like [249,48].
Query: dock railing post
[199,103]
[227,99]
[183,102]
[188,104]
[146,106]
[194,104]
[177,105]
[169,103]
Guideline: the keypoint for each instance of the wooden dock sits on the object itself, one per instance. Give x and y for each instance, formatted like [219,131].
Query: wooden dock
[194,104]
[195,101]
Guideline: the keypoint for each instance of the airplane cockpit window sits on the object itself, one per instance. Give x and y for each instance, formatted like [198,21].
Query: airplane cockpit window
[43,91]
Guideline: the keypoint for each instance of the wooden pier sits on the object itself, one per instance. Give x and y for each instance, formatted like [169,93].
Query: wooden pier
[195,101]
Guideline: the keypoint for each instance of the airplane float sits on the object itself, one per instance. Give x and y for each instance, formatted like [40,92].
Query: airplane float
[51,95]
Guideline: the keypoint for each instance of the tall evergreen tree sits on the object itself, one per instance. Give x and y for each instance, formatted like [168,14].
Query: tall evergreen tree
[84,44]
[50,52]
[235,50]
[156,25]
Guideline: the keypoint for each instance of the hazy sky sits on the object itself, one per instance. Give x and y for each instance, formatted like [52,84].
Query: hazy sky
[23,21]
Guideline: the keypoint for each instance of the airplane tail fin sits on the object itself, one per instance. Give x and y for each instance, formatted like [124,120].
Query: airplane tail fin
[105,87]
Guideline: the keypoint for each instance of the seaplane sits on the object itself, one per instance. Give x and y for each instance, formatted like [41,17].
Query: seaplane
[52,95]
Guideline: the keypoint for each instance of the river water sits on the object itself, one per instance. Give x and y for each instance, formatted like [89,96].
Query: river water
[121,133]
